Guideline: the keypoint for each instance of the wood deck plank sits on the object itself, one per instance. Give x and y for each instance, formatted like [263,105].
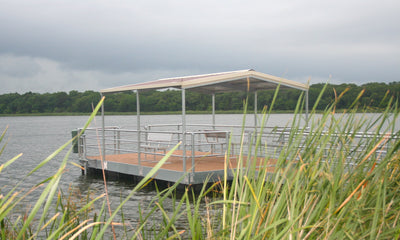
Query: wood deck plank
[203,161]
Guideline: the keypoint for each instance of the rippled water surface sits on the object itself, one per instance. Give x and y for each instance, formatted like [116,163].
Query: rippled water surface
[38,137]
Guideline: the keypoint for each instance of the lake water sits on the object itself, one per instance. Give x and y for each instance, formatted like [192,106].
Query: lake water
[38,137]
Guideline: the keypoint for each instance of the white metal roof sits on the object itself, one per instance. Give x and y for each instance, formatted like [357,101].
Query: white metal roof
[243,80]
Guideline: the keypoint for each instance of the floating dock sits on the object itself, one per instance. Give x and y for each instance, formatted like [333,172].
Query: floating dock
[202,150]
[211,167]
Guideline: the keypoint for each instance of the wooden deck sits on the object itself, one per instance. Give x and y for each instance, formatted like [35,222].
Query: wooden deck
[203,161]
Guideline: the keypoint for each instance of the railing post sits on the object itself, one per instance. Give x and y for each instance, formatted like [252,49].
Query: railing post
[79,141]
[184,129]
[213,111]
[138,130]
[250,142]
[227,142]
[255,111]
[84,150]
[193,152]
[115,141]
[103,152]
[184,152]
[119,141]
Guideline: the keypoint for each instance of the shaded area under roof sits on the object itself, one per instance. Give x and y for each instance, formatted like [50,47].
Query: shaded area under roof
[243,80]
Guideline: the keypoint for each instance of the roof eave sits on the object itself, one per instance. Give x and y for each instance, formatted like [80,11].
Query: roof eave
[197,82]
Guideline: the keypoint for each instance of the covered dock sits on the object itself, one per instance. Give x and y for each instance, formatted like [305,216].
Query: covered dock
[205,149]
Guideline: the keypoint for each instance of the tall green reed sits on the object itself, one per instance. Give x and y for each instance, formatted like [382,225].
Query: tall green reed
[331,181]
[54,215]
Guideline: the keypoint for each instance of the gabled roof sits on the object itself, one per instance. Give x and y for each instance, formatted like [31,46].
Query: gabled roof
[244,80]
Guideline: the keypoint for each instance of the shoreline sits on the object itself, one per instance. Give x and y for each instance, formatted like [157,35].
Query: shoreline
[166,113]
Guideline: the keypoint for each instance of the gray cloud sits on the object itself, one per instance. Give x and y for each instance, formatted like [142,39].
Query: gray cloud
[98,44]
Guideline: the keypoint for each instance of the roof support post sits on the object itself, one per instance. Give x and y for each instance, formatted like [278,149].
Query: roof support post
[255,110]
[213,110]
[184,129]
[103,140]
[138,125]
[307,108]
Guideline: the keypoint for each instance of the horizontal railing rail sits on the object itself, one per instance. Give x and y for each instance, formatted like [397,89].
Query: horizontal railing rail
[153,141]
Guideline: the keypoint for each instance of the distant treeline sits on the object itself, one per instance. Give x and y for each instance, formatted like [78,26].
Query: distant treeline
[375,96]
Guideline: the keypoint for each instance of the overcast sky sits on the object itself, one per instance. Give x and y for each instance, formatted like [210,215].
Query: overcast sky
[63,45]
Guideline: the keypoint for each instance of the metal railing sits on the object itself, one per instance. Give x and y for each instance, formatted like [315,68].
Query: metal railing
[122,141]
[203,140]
